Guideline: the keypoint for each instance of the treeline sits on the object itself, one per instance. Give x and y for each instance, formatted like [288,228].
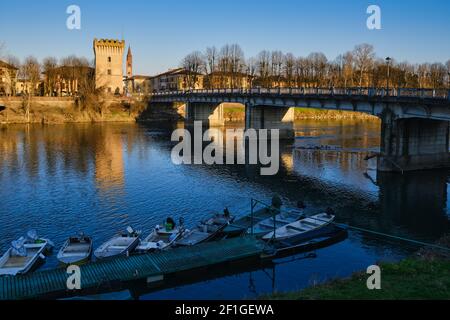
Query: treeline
[46,78]
[357,68]
[51,71]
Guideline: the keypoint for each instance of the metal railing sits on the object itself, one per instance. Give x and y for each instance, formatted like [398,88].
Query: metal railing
[367,92]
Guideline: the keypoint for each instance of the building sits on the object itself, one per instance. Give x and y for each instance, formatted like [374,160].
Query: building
[23,87]
[139,85]
[8,79]
[227,80]
[109,65]
[177,80]
[66,81]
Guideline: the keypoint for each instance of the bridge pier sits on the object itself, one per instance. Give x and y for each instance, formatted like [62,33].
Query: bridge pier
[409,144]
[266,117]
[210,114]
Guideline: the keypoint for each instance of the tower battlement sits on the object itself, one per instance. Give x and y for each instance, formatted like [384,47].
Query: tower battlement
[109,43]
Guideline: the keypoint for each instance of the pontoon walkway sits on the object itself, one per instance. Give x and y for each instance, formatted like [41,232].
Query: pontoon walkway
[122,269]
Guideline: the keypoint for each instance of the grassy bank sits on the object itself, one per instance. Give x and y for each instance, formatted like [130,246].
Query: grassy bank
[424,276]
[67,113]
[235,113]
[318,114]
[409,279]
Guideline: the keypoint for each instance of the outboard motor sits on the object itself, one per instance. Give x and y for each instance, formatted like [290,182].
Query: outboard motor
[276,202]
[32,235]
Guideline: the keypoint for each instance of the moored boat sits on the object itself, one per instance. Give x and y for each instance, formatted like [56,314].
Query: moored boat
[302,228]
[122,244]
[161,238]
[206,230]
[76,250]
[24,254]
[262,227]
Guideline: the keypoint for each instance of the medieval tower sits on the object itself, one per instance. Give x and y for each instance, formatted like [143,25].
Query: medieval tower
[109,65]
[129,64]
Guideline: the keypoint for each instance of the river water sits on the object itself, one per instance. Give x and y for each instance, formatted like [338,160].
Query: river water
[100,178]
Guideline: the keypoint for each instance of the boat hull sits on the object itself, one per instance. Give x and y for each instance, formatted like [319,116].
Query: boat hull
[103,253]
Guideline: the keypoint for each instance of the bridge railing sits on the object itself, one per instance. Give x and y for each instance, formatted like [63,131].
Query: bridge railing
[370,92]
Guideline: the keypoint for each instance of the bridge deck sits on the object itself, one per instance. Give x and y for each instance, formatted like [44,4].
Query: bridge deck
[122,269]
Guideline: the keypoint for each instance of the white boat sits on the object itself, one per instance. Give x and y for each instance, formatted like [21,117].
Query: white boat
[160,239]
[76,250]
[206,230]
[24,254]
[120,244]
[280,220]
[302,228]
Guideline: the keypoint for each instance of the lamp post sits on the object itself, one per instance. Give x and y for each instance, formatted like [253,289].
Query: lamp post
[388,62]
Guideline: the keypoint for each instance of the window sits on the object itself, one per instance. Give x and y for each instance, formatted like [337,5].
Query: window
[109,72]
[109,59]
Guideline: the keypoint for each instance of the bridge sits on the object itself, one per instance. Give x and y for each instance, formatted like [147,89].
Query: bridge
[415,122]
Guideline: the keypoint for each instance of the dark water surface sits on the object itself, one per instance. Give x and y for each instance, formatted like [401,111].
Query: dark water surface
[101,178]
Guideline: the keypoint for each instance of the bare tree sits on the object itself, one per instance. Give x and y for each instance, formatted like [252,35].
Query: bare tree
[211,56]
[194,64]
[263,67]
[49,66]
[276,66]
[447,64]
[364,55]
[251,69]
[237,64]
[31,71]
[318,62]
[289,68]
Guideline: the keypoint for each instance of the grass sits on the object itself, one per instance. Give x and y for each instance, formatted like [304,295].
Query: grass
[412,278]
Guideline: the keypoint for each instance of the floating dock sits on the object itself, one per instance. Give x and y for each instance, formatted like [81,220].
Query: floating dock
[150,266]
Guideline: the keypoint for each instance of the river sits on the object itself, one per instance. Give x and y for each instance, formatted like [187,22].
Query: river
[100,178]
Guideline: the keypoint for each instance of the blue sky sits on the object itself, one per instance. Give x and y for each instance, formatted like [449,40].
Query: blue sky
[161,32]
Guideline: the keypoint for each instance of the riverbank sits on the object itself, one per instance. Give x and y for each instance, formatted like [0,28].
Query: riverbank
[65,110]
[424,276]
[237,114]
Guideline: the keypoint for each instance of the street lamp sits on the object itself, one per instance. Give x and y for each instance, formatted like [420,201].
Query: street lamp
[388,62]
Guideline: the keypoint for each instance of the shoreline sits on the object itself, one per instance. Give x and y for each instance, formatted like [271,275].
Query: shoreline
[425,276]
[63,110]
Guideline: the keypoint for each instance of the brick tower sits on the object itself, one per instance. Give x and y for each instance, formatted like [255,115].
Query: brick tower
[109,65]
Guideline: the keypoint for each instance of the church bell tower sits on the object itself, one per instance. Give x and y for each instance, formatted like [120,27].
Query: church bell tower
[129,63]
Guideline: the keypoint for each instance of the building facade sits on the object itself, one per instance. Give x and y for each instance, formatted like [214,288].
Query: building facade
[109,65]
[8,79]
[67,80]
[227,80]
[177,80]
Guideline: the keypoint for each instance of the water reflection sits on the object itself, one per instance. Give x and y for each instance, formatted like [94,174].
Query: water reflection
[100,178]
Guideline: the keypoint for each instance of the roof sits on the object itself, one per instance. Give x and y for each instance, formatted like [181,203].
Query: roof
[62,68]
[3,64]
[222,73]
[140,77]
[178,71]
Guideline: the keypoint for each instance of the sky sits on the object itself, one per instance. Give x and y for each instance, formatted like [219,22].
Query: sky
[162,32]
